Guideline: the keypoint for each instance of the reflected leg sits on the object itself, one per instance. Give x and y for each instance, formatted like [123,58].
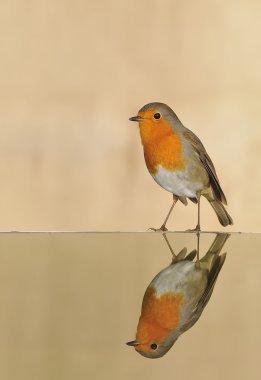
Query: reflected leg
[197,261]
[170,248]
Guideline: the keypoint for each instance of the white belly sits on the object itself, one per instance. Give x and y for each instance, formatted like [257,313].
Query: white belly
[173,278]
[178,183]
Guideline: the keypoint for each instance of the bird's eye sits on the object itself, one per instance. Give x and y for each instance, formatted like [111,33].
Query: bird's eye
[153,346]
[157,115]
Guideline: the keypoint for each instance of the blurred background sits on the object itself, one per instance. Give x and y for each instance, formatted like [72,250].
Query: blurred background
[72,73]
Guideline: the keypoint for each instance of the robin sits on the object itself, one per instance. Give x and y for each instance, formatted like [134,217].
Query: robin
[175,299]
[178,161]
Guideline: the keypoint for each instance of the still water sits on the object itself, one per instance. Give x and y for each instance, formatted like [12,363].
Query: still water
[71,301]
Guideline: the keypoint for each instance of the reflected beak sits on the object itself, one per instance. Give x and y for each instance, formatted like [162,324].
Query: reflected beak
[133,343]
[136,118]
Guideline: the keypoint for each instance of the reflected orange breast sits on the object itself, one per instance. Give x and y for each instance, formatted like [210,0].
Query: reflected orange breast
[159,316]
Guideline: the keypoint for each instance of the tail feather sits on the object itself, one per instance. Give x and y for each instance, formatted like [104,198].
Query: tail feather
[222,214]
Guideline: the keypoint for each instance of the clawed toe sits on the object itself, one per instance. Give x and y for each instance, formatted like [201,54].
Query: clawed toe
[161,229]
[196,229]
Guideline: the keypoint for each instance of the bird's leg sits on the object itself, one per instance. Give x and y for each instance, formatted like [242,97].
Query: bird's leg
[198,262]
[197,228]
[168,244]
[168,215]
[163,227]
[198,225]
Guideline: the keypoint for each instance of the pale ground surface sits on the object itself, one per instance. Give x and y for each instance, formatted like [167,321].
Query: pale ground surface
[70,302]
[72,73]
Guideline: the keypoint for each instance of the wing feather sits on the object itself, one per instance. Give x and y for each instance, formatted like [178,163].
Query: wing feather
[207,163]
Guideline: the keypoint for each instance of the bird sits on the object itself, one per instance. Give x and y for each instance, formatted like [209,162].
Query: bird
[176,298]
[178,162]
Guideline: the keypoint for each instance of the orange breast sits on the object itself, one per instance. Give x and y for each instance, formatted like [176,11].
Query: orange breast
[159,316]
[161,147]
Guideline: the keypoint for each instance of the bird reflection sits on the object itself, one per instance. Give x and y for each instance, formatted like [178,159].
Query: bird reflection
[176,297]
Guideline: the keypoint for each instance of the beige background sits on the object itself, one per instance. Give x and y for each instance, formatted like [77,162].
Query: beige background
[71,73]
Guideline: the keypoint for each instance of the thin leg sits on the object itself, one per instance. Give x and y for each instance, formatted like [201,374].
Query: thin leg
[163,227]
[198,262]
[197,228]
[198,225]
[170,248]
[168,215]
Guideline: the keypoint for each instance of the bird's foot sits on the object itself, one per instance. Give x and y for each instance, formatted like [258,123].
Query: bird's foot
[163,228]
[196,229]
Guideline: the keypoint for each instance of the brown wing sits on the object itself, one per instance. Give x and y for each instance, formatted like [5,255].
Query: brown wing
[212,278]
[207,163]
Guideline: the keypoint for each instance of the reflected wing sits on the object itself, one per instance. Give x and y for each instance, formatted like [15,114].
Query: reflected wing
[212,278]
[182,255]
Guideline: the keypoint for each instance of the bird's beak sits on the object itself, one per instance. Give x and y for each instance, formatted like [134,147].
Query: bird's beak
[133,343]
[136,118]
